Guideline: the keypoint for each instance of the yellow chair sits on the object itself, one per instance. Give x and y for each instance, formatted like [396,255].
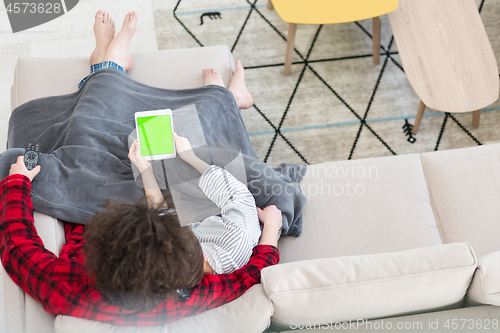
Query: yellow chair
[330,12]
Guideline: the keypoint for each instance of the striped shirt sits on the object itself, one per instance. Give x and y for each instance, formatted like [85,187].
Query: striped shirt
[227,240]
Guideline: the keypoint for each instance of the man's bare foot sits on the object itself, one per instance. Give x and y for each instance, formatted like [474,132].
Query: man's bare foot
[212,77]
[104,31]
[239,88]
[118,51]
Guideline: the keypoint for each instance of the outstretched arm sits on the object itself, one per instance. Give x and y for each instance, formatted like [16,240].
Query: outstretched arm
[151,187]
[220,186]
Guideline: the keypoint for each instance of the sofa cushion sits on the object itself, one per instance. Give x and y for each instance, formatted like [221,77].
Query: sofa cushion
[464,185]
[364,206]
[249,313]
[485,287]
[370,286]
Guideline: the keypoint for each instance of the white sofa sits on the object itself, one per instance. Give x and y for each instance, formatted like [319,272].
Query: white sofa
[395,240]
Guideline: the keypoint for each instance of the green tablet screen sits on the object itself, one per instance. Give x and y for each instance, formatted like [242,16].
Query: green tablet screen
[155,135]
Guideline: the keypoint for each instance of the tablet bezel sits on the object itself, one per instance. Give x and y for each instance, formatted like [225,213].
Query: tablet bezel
[164,112]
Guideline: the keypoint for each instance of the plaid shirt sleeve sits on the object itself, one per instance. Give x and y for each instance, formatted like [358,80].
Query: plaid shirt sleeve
[216,290]
[40,273]
[62,287]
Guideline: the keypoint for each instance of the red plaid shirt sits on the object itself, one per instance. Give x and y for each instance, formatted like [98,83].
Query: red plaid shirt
[62,287]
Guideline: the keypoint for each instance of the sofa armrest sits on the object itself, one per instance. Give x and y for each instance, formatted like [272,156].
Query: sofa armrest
[168,69]
[51,232]
[14,312]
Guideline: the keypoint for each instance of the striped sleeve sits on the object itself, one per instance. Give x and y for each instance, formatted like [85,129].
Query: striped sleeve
[227,241]
[225,190]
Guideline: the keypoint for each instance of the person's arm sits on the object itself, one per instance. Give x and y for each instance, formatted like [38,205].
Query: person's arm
[151,187]
[40,273]
[186,153]
[219,185]
[271,218]
[216,290]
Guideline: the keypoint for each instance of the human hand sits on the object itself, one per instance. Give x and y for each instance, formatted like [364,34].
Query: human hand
[270,217]
[19,168]
[136,157]
[184,149]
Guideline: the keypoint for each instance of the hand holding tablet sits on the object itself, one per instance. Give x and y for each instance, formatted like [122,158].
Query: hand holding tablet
[136,157]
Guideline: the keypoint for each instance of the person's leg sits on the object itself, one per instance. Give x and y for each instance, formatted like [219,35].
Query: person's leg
[237,86]
[118,51]
[104,31]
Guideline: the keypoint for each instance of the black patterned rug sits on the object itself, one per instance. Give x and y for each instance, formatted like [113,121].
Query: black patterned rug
[335,105]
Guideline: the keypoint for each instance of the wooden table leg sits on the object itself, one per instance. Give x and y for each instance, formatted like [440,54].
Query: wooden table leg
[418,118]
[376,33]
[475,118]
[269,5]
[290,42]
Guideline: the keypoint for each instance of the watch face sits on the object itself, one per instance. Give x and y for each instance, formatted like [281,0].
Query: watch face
[31,155]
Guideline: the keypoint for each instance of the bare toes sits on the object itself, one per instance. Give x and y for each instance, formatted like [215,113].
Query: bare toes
[99,15]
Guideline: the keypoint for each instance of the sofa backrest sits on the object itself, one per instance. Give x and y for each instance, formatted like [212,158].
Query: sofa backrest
[464,187]
[362,207]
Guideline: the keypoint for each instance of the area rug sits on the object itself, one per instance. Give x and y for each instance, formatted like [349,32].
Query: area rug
[335,104]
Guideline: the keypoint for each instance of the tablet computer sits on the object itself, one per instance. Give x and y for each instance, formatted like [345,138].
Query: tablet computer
[154,131]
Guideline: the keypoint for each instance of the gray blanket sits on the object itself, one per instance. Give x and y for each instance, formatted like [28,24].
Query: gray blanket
[84,138]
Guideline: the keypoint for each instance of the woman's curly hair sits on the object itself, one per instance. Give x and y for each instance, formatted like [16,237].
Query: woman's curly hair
[139,256]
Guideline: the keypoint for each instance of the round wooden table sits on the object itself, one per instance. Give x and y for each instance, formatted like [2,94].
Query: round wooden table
[446,55]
